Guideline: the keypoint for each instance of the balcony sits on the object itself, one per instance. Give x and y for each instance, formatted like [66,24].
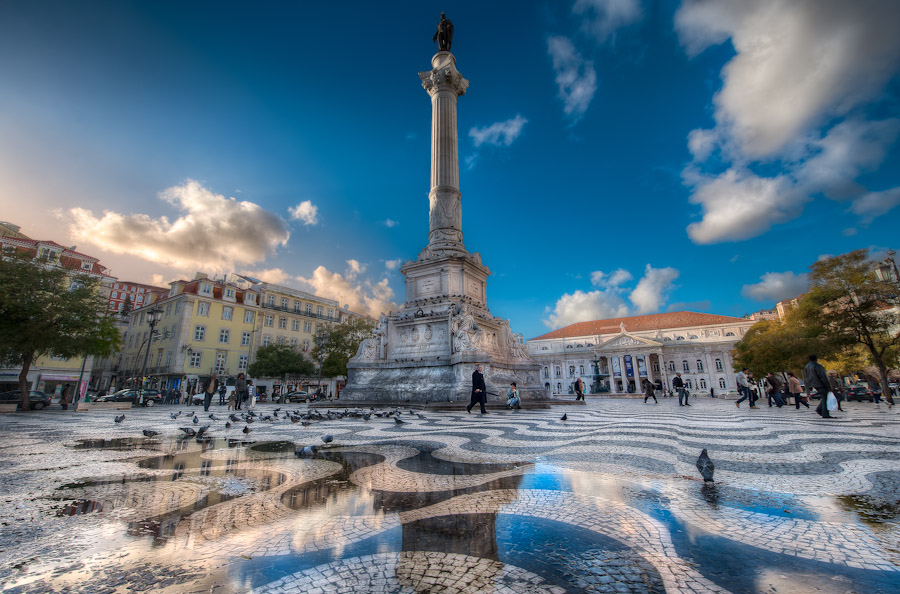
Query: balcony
[299,312]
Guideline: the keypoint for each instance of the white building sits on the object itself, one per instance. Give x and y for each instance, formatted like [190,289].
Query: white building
[615,355]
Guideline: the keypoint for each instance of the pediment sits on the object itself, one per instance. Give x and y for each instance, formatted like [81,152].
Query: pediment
[627,340]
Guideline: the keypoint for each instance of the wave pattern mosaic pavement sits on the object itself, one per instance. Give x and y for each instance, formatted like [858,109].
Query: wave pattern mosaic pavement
[607,501]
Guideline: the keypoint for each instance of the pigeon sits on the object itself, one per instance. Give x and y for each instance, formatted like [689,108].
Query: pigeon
[277,409]
[203,429]
[366,416]
[250,420]
[306,452]
[295,419]
[422,417]
[119,419]
[195,419]
[253,413]
[175,415]
[149,433]
[564,417]
[188,431]
[705,466]
[399,421]
[214,417]
[327,438]
[228,424]
[246,429]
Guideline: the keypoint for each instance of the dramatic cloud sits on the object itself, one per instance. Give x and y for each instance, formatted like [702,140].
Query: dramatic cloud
[498,133]
[354,269]
[604,17]
[653,290]
[608,302]
[776,286]
[390,223]
[306,211]
[213,231]
[364,297]
[276,276]
[793,95]
[575,76]
[875,204]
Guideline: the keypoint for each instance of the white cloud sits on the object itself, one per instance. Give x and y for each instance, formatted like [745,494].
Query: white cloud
[393,264]
[390,223]
[575,76]
[702,143]
[608,302]
[776,286]
[604,17]
[874,204]
[276,276]
[614,279]
[653,290]
[306,211]
[212,231]
[738,205]
[797,62]
[354,269]
[364,297]
[498,133]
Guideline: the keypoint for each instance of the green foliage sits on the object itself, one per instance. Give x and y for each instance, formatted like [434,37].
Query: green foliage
[773,346]
[280,360]
[46,310]
[341,342]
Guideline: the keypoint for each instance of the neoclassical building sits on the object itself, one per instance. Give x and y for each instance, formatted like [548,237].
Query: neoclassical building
[615,355]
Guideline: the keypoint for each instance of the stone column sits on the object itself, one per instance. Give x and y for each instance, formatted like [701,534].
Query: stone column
[444,84]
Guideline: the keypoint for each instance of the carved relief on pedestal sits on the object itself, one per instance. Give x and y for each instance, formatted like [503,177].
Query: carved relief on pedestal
[444,209]
[517,348]
[367,351]
[467,334]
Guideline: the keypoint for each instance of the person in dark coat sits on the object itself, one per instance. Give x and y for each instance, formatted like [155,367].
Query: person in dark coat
[678,385]
[479,390]
[579,390]
[649,392]
[211,387]
[814,376]
[773,390]
[65,397]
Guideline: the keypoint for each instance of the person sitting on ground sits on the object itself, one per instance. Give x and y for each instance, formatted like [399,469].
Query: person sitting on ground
[512,396]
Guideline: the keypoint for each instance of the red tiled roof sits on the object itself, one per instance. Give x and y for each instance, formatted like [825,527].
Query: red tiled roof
[661,321]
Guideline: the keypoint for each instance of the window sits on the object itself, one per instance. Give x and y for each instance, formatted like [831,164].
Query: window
[279,339]
[688,384]
[307,327]
[305,346]
[220,362]
[282,323]
[202,308]
[199,332]
[248,317]
[729,334]
[295,325]
[309,308]
[718,365]
[558,371]
[86,266]
[672,366]
[702,384]
[270,321]
[242,362]
[178,308]
[571,370]
[581,370]
[656,367]
[114,295]
[685,366]
[224,333]
[699,366]
[319,310]
[115,285]
[195,359]
[205,289]
[297,306]
[693,337]
[294,342]
[330,313]
[722,383]
[229,293]
[130,341]
[168,309]
[226,312]
[141,322]
[267,340]
[140,298]
[159,358]
[546,372]
[679,338]
[245,339]
[169,359]
[250,298]
[271,300]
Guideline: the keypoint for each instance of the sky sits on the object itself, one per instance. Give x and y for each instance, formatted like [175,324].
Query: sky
[617,157]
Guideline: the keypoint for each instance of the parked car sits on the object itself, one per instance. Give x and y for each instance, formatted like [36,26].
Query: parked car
[861,393]
[37,398]
[150,397]
[297,396]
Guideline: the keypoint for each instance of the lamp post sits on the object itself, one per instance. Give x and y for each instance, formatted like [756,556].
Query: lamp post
[153,318]
[321,341]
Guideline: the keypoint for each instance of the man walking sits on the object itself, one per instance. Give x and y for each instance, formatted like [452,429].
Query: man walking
[796,390]
[479,395]
[678,385]
[649,392]
[579,390]
[744,388]
[814,376]
[211,387]
[773,390]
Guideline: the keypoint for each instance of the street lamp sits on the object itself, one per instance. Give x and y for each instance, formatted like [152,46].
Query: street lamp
[321,341]
[153,318]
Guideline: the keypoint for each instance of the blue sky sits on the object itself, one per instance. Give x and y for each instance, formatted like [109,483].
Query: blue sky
[618,157]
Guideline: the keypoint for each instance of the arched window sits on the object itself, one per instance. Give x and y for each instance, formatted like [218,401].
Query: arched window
[702,384]
[559,388]
[722,383]
[718,365]
[699,365]
[568,346]
[729,334]
[656,366]
[667,339]
[688,384]
[571,370]
[546,372]
[558,371]
[672,366]
[581,370]
[679,338]
[693,337]
[685,366]
[547,386]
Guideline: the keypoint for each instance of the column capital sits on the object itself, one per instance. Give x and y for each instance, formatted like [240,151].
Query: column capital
[443,76]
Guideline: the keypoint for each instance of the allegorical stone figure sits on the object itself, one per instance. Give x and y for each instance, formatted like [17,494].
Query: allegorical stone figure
[444,34]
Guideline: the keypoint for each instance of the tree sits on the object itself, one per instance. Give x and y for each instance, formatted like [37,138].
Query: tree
[852,306]
[280,360]
[49,310]
[773,346]
[341,342]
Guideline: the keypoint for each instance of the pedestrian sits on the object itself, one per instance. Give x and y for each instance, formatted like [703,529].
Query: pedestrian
[649,392]
[838,388]
[512,396]
[251,395]
[479,390]
[815,376]
[223,390]
[211,387]
[678,386]
[773,390]
[579,390]
[240,390]
[64,396]
[796,391]
[743,385]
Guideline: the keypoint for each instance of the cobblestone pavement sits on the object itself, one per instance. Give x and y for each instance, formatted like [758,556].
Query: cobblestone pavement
[608,500]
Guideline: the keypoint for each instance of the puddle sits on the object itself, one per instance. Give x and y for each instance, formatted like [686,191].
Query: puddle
[874,511]
[81,506]
[116,443]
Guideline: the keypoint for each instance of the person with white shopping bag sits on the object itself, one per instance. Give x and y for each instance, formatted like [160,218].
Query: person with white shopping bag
[814,376]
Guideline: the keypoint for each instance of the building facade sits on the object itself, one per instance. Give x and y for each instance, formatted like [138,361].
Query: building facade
[133,294]
[616,355]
